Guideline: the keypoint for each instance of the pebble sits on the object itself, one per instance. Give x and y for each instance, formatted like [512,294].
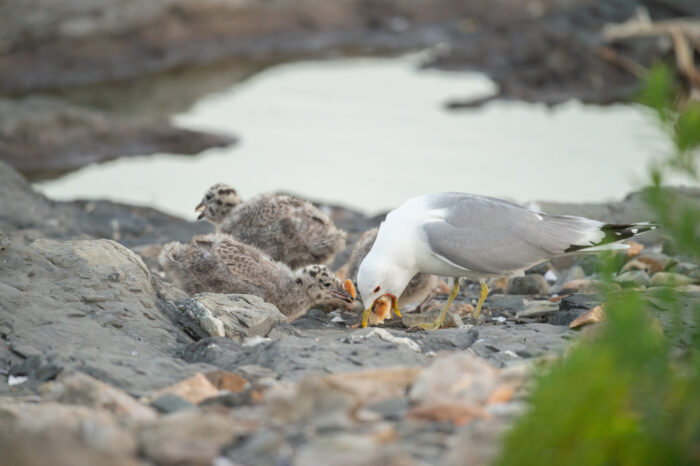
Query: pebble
[657,261]
[633,277]
[670,279]
[169,403]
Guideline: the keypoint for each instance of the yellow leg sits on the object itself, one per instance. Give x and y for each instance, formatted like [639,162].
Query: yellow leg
[482,297]
[396,308]
[437,323]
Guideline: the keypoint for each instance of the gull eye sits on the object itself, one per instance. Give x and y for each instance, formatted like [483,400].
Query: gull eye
[377,289]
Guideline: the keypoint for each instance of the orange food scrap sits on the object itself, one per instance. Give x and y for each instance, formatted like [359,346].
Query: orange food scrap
[381,310]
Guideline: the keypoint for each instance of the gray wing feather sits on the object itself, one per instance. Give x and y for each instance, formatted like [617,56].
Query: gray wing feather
[493,236]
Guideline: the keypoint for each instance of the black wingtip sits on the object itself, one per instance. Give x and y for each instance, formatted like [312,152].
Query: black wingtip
[617,232]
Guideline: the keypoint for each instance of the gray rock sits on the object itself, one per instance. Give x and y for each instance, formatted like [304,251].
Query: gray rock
[235,316]
[670,279]
[510,303]
[566,317]
[579,301]
[39,368]
[26,213]
[531,284]
[169,403]
[572,273]
[538,309]
[95,307]
[633,278]
[43,136]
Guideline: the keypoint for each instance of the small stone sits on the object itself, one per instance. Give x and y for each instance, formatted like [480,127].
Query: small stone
[670,279]
[566,317]
[392,409]
[538,309]
[579,301]
[229,381]
[632,278]
[169,403]
[634,249]
[636,264]
[573,286]
[194,389]
[686,268]
[657,261]
[532,284]
[39,368]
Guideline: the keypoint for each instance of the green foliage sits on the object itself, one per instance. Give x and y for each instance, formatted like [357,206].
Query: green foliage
[630,393]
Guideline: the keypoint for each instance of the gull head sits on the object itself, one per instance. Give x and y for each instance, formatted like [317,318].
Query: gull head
[217,202]
[378,283]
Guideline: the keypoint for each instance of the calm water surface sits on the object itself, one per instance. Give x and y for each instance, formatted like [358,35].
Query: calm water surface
[370,133]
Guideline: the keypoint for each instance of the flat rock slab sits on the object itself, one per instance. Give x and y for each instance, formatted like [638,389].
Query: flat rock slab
[87,306]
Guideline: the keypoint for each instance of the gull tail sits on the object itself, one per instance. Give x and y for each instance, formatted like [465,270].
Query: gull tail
[610,233]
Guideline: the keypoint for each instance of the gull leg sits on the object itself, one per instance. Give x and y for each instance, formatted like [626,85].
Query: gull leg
[482,297]
[437,323]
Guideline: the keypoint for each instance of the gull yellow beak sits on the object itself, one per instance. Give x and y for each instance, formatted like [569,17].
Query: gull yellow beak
[394,305]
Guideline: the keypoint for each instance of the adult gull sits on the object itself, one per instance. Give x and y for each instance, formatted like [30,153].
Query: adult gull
[467,235]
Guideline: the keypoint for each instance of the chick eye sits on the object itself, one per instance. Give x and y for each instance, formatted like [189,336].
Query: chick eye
[326,284]
[377,289]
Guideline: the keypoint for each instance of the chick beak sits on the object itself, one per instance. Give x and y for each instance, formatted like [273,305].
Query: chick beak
[201,208]
[343,295]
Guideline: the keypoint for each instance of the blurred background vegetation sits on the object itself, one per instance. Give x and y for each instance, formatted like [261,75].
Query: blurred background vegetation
[627,393]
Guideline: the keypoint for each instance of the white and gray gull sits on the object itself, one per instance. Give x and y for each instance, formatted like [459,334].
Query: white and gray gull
[467,235]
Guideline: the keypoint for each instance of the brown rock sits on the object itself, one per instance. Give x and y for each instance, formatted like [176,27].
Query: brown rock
[597,314]
[94,429]
[188,437]
[224,380]
[375,385]
[574,285]
[195,389]
[56,448]
[81,389]
[635,248]
[657,261]
[458,414]
[457,383]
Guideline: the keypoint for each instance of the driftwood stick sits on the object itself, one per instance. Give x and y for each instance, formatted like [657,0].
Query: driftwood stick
[631,29]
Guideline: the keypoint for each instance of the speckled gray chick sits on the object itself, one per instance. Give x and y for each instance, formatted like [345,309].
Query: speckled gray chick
[219,263]
[288,229]
[420,288]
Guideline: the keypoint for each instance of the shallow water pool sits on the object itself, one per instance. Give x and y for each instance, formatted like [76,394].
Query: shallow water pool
[369,133]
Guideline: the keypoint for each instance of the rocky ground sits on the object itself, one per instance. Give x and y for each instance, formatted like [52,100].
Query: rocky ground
[89,80]
[102,361]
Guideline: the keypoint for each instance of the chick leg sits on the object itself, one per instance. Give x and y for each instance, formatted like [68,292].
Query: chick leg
[437,323]
[482,297]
